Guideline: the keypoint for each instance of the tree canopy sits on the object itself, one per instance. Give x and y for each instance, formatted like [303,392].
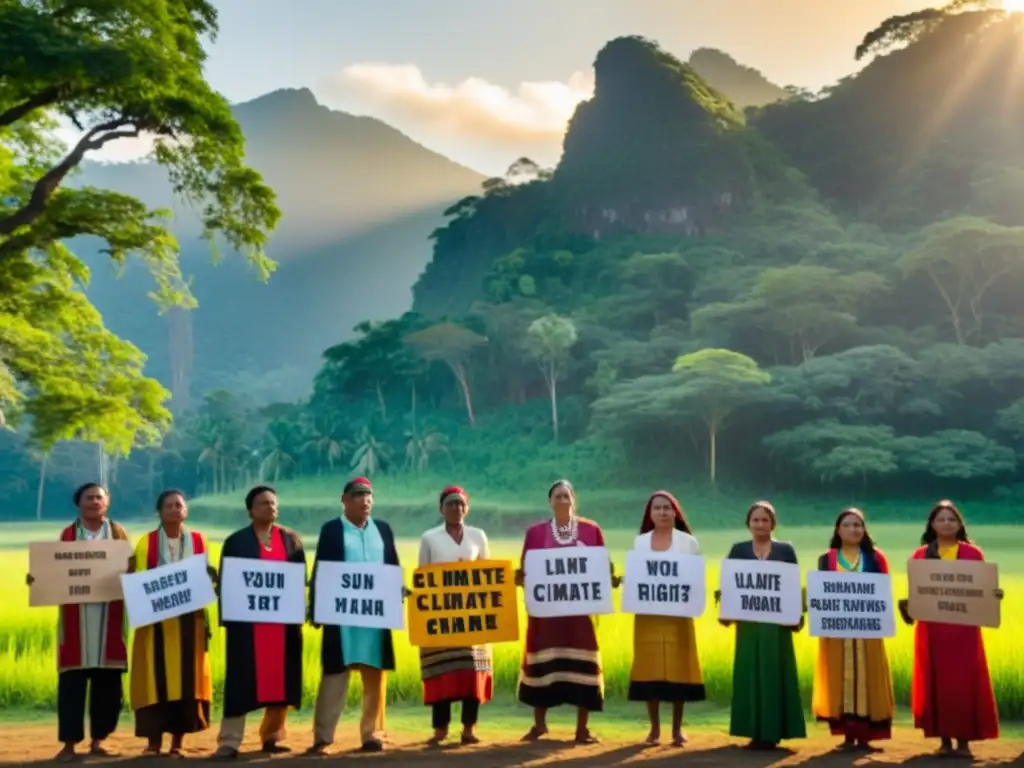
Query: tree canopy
[114,70]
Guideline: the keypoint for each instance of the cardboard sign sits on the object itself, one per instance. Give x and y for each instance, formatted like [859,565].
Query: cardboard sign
[954,592]
[167,591]
[761,591]
[850,605]
[358,595]
[463,603]
[568,581]
[68,572]
[664,584]
[262,591]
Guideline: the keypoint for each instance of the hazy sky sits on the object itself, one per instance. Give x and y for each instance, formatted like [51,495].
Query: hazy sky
[485,81]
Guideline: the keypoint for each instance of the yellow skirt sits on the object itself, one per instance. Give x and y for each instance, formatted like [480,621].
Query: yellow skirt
[665,662]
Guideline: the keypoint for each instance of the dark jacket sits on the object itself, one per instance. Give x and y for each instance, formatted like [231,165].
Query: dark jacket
[330,548]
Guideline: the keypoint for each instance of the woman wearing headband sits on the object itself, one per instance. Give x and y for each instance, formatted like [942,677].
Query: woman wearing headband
[455,674]
[561,661]
[665,663]
[852,683]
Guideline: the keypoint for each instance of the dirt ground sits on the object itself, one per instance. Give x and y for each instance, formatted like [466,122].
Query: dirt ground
[34,745]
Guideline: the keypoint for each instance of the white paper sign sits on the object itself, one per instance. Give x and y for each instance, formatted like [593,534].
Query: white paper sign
[167,591]
[359,595]
[262,591]
[663,584]
[761,591]
[850,605]
[568,581]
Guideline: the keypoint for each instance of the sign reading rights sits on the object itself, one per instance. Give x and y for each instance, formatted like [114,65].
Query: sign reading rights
[761,591]
[168,591]
[850,605]
[358,595]
[463,603]
[262,591]
[68,572]
[664,584]
[954,592]
[571,581]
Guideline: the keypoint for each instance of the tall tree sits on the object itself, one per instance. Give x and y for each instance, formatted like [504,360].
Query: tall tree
[548,341]
[718,381]
[116,69]
[964,258]
[451,344]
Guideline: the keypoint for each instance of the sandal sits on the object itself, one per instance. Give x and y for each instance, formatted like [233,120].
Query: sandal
[586,737]
[653,740]
[469,739]
[679,740]
[535,733]
[437,739]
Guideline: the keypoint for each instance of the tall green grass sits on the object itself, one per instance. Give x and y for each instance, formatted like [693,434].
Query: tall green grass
[28,678]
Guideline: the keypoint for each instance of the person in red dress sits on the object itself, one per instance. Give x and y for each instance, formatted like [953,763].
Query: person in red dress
[275,683]
[951,691]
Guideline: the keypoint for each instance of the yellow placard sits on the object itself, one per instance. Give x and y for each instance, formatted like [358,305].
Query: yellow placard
[464,603]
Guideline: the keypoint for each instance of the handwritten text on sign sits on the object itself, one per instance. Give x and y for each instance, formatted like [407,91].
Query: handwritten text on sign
[571,581]
[463,603]
[850,605]
[664,584]
[262,591]
[69,572]
[167,592]
[365,595]
[761,591]
[954,592]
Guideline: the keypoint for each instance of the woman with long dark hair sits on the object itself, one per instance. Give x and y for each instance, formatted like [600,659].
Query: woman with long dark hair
[951,693]
[171,688]
[561,661]
[665,662]
[852,681]
[766,706]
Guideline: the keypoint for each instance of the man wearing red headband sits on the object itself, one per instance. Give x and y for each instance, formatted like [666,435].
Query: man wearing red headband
[353,537]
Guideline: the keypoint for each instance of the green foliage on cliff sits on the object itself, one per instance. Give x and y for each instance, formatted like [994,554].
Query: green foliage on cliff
[819,296]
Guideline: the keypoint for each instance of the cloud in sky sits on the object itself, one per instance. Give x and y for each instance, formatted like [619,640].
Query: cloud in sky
[473,108]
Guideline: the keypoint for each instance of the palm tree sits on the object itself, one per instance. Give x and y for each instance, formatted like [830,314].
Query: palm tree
[370,455]
[324,446]
[420,448]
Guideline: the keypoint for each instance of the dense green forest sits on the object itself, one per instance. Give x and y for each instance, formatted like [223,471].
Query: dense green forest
[818,295]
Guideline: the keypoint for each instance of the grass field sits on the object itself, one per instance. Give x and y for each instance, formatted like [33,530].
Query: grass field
[27,636]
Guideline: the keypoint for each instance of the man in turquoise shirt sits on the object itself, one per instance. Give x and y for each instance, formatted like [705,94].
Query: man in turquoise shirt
[357,538]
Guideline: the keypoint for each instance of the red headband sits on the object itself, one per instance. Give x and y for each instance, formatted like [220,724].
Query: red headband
[453,491]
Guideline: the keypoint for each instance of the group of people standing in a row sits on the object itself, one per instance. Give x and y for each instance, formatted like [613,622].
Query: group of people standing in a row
[171,690]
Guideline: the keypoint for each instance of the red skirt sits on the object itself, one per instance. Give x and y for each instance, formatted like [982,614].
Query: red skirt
[951,695]
[456,674]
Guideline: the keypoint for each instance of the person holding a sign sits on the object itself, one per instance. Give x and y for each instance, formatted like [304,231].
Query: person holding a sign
[852,682]
[951,690]
[170,682]
[561,661]
[665,662]
[455,674]
[92,655]
[766,706]
[264,661]
[353,537]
